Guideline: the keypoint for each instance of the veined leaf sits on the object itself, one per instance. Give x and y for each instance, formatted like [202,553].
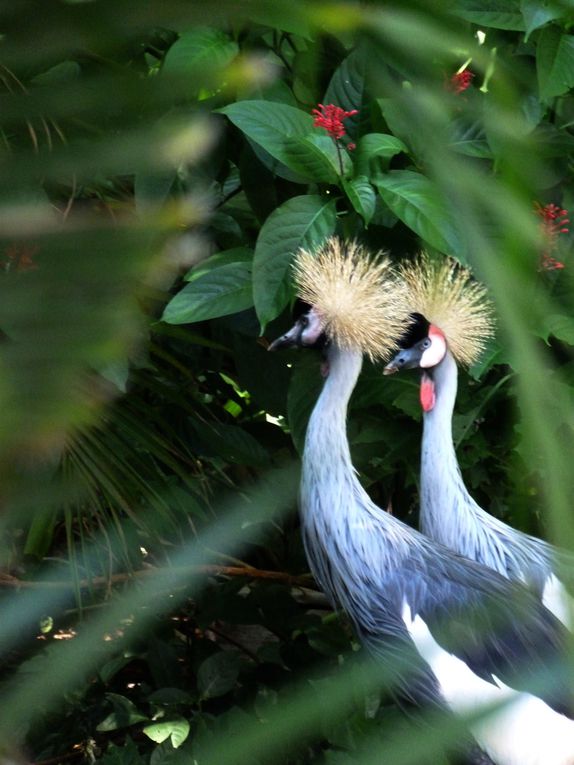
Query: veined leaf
[415,199]
[362,196]
[536,14]
[315,157]
[177,730]
[469,138]
[561,327]
[374,145]
[234,255]
[347,87]
[219,292]
[555,62]
[303,221]
[500,14]
[270,125]
[125,714]
[217,674]
[200,48]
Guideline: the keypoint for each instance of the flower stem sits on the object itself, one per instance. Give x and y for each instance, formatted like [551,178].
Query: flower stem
[340,156]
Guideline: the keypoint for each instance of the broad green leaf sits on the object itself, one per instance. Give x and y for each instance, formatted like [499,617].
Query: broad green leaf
[469,138]
[537,13]
[128,754]
[347,87]
[284,16]
[224,290]
[304,388]
[217,675]
[151,189]
[232,443]
[66,70]
[177,730]
[374,145]
[235,255]
[125,713]
[362,196]
[303,221]
[170,696]
[415,199]
[561,327]
[554,62]
[315,157]
[199,49]
[500,14]
[270,125]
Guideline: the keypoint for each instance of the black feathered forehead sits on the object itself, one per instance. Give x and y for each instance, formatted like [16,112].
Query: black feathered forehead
[417,330]
[299,308]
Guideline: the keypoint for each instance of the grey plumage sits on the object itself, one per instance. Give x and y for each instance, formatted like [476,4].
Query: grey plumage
[453,632]
[371,564]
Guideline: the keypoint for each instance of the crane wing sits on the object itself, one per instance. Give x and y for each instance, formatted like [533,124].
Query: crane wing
[497,627]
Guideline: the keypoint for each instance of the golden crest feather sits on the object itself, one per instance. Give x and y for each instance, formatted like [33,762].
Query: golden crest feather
[447,295]
[359,298]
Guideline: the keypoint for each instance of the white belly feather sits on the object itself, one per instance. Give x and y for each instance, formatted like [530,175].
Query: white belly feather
[525,731]
[557,599]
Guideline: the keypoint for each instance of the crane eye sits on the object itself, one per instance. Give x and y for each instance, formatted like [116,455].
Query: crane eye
[426,343]
[304,321]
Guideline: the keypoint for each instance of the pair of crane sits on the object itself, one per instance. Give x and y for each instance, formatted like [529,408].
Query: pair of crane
[458,614]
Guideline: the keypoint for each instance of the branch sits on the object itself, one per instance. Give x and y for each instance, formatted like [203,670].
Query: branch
[6,580]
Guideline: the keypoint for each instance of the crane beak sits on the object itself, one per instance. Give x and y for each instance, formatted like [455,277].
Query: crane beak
[409,358]
[290,339]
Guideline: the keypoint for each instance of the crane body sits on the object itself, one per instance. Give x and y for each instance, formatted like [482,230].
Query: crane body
[448,513]
[453,633]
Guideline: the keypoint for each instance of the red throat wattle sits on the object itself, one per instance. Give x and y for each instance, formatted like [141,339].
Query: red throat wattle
[427,394]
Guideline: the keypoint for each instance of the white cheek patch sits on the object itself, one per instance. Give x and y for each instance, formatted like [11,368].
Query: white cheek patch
[435,353]
[314,328]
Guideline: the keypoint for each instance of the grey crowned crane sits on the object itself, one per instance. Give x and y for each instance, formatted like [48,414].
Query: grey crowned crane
[441,621]
[453,322]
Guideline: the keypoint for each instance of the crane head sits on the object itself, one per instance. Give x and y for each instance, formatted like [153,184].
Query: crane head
[422,346]
[307,332]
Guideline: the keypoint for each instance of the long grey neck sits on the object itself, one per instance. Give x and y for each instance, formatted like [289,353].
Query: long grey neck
[326,444]
[445,502]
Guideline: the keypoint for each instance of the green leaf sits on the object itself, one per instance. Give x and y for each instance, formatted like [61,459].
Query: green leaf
[374,145]
[198,49]
[125,713]
[561,327]
[231,443]
[362,196]
[220,292]
[152,189]
[315,157]
[218,674]
[469,138]
[347,87]
[234,255]
[537,13]
[177,730]
[270,125]
[415,199]
[499,14]
[127,754]
[303,221]
[304,388]
[59,74]
[554,62]
[170,696]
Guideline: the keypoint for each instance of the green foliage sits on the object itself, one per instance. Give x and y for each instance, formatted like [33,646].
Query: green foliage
[161,169]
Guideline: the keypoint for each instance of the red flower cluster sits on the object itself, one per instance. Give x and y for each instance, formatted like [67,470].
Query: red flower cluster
[460,81]
[331,118]
[553,221]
